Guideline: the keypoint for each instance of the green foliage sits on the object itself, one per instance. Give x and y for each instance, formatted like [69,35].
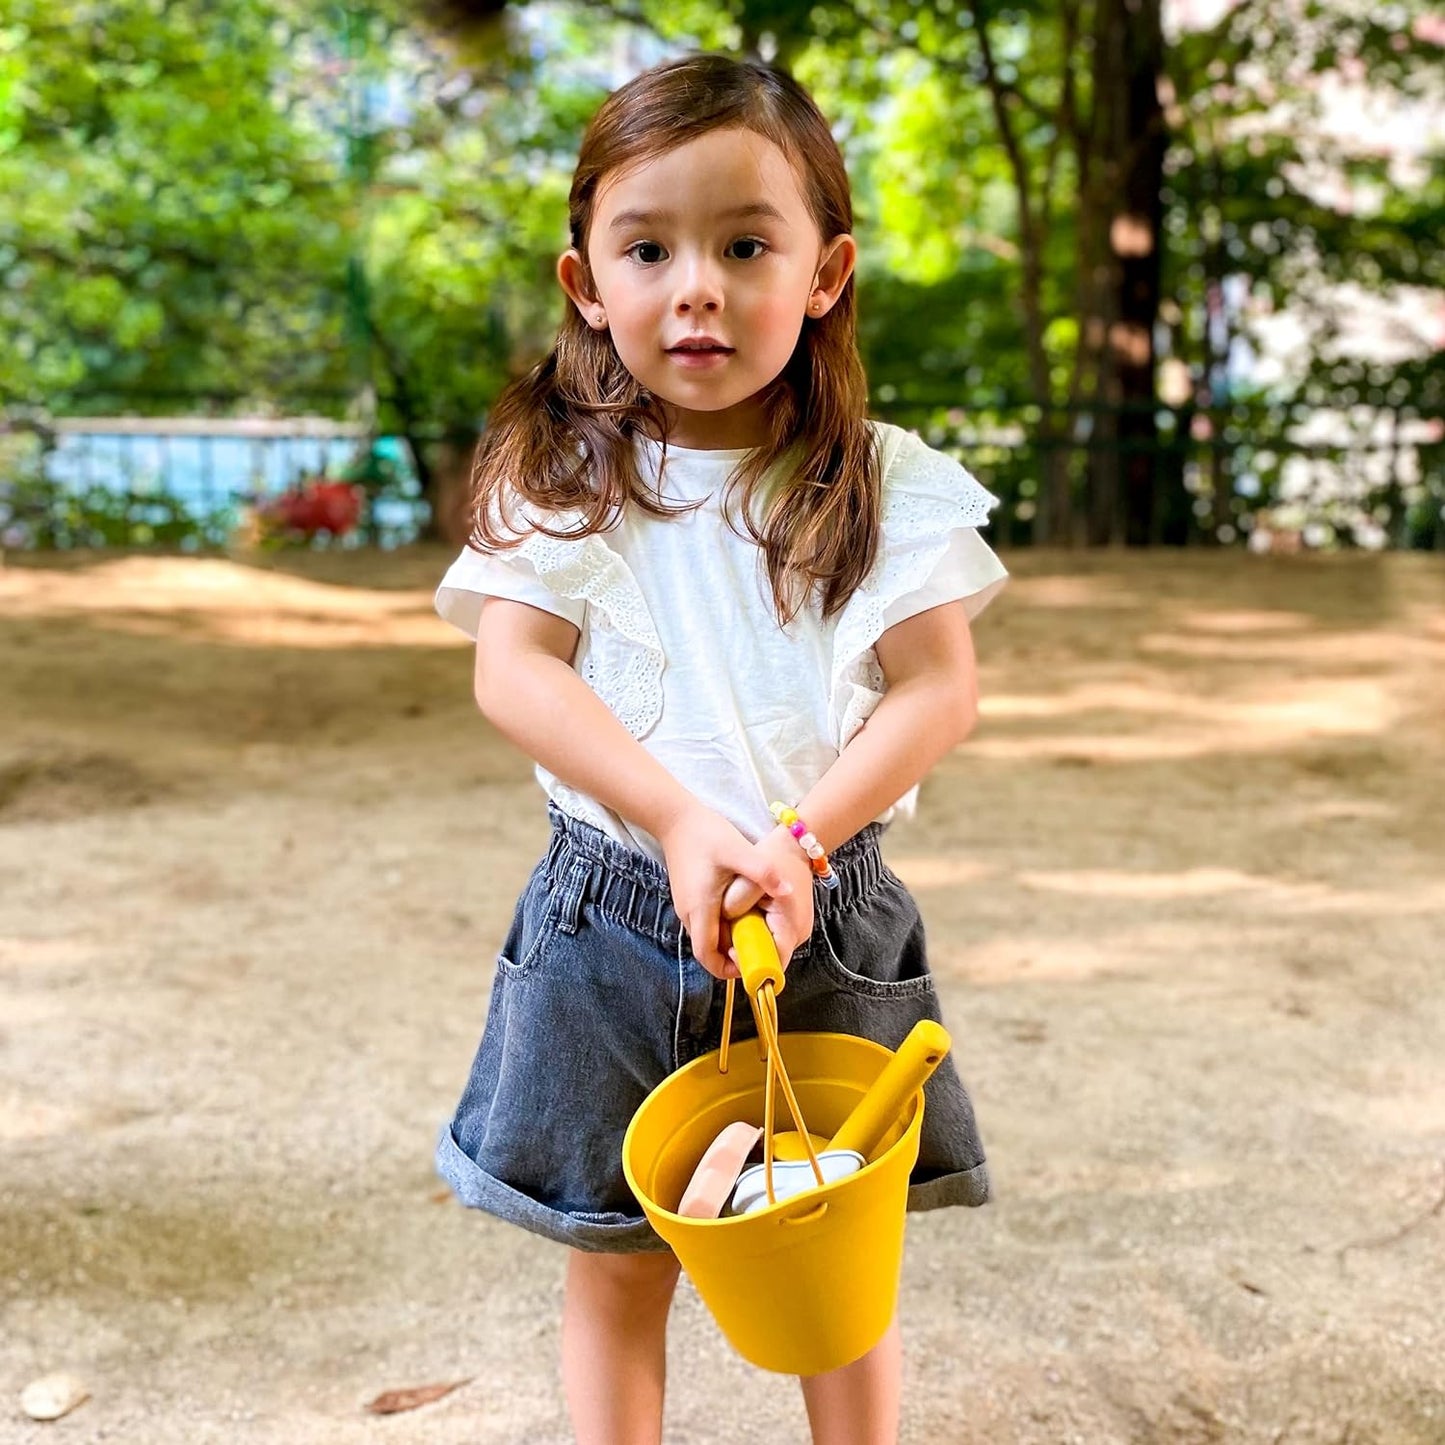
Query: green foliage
[170,225]
[1312,219]
[466,211]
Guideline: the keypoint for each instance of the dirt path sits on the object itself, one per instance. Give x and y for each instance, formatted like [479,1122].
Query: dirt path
[1186,899]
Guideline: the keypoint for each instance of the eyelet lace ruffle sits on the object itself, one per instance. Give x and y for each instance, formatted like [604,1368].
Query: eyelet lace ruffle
[926,497]
[623,660]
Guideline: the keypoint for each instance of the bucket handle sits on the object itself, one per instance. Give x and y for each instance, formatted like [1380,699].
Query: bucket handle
[764,979]
[811,1217]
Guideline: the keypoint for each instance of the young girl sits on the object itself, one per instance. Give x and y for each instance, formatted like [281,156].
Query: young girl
[700,582]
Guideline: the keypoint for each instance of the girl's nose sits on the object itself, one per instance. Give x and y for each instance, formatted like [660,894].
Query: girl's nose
[699,289]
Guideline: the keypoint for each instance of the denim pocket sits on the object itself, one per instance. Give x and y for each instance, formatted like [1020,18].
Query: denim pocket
[877,948]
[534,926]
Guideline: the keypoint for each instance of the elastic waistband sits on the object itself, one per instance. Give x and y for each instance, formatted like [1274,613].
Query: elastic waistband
[632,888]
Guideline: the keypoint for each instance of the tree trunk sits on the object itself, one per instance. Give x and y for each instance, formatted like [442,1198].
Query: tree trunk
[450,490]
[1129,171]
[1053,522]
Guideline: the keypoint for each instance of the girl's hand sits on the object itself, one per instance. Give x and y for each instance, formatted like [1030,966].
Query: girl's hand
[789,915]
[704,853]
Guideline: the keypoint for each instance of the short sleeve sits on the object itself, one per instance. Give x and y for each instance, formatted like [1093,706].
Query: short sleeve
[576,574]
[475,576]
[969,570]
[930,553]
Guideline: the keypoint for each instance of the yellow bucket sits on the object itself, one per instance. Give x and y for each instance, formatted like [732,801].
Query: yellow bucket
[809,1283]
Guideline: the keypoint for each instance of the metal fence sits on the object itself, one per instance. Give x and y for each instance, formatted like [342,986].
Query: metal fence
[1234,475]
[1241,474]
[192,481]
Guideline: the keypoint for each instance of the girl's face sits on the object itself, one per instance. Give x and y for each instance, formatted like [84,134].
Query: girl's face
[708,246]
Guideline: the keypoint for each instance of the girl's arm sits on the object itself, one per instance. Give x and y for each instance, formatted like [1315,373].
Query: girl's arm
[526,687]
[929,708]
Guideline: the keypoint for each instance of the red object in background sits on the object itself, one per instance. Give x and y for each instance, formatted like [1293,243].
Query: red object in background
[333,507]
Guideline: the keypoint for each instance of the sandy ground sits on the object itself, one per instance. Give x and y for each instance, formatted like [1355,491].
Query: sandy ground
[1186,898]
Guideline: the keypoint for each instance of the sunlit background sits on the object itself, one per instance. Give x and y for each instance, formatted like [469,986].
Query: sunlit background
[1158,274]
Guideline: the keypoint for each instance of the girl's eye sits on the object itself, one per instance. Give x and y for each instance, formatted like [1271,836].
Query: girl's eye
[758,247]
[649,253]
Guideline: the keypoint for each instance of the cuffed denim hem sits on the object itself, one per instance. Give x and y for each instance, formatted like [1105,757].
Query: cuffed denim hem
[594,1233]
[968,1186]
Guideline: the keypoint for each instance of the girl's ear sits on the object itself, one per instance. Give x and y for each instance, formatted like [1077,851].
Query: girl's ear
[576,281]
[839,257]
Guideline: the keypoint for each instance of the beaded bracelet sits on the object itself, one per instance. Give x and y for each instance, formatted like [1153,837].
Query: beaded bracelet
[817,858]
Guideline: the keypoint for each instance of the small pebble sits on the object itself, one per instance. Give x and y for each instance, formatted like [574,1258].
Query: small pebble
[52,1396]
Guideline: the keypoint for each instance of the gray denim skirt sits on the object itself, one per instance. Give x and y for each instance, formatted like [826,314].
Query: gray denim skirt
[597,999]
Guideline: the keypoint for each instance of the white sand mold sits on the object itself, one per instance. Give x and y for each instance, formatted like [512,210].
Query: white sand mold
[791,1177]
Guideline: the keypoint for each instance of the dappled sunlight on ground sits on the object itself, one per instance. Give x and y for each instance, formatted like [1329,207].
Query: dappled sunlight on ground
[1265,893]
[1194,883]
[1296,653]
[921,874]
[1099,592]
[1240,622]
[1104,948]
[209,599]
[33,1117]
[20,954]
[377,626]
[1210,659]
[1266,717]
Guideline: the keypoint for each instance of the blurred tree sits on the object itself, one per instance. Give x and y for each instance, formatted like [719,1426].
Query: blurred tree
[276,204]
[172,221]
[462,210]
[1278,206]
[360,203]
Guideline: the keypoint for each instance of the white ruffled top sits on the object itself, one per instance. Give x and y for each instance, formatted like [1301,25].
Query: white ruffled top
[680,639]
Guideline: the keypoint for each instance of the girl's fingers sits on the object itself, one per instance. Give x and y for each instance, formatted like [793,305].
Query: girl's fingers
[731,969]
[790,923]
[703,931]
[767,876]
[782,937]
[741,894]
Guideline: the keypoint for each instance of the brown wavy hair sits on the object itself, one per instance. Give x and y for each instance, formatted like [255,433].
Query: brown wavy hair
[561,437]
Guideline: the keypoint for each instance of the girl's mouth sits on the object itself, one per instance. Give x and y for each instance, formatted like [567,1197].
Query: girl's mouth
[700,356]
